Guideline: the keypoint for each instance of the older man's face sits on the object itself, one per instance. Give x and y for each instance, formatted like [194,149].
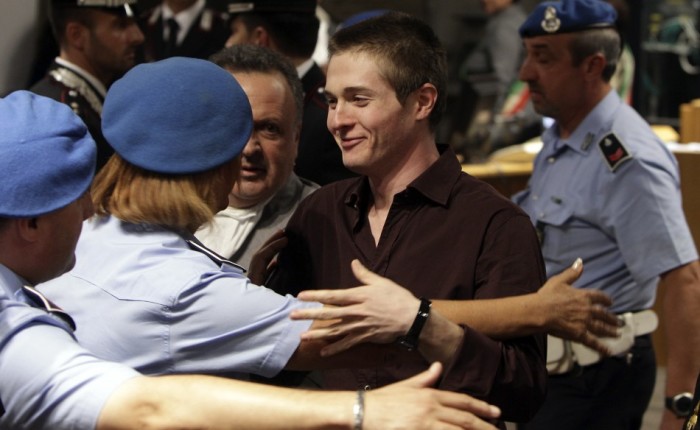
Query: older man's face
[268,158]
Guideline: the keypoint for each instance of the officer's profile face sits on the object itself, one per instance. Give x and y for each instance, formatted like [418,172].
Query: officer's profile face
[268,158]
[555,83]
[111,44]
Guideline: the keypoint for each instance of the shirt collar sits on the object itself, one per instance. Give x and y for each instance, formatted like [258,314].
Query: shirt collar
[304,67]
[435,183]
[591,128]
[184,18]
[96,83]
[11,281]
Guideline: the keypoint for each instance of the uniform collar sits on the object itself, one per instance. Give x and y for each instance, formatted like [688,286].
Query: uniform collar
[96,83]
[303,68]
[11,281]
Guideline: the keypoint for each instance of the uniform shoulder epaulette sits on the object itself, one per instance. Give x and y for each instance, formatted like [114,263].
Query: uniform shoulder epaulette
[213,256]
[75,83]
[613,151]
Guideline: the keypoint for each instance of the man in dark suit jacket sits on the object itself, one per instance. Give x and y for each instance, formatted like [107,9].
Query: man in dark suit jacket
[290,27]
[183,28]
[98,45]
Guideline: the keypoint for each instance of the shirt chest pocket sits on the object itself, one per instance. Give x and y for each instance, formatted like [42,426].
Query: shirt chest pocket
[558,231]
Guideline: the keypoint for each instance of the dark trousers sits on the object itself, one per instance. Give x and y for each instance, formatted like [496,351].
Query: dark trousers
[612,394]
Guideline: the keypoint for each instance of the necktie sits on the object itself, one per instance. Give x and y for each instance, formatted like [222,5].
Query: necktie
[40,301]
[171,43]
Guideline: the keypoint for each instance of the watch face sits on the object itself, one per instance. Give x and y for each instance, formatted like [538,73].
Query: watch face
[683,404]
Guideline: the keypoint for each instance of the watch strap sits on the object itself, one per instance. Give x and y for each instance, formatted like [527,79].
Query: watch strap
[410,340]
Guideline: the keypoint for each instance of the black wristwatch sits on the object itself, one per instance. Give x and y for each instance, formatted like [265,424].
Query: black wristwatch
[680,404]
[410,340]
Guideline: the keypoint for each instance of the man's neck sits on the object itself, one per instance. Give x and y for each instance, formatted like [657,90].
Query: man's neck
[393,180]
[98,85]
[568,124]
[85,66]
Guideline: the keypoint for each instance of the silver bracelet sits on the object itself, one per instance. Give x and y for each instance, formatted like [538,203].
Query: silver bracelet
[359,409]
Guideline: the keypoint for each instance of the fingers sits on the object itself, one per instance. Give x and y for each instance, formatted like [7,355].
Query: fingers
[599,298]
[331,297]
[570,275]
[363,274]
[464,411]
[603,323]
[425,379]
[325,313]
[594,343]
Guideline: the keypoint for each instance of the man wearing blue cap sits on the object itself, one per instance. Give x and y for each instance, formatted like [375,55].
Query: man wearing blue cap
[49,381]
[98,41]
[290,27]
[605,188]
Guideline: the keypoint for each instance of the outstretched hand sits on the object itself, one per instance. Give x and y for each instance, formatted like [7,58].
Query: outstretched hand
[578,314]
[379,311]
[411,404]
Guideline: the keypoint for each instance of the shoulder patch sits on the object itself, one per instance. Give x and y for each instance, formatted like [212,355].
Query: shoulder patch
[613,151]
[213,256]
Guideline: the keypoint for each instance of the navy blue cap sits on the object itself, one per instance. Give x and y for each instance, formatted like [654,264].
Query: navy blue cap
[177,116]
[47,156]
[273,6]
[567,16]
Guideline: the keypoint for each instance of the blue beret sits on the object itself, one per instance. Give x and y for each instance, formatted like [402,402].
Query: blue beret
[567,16]
[361,16]
[47,156]
[177,116]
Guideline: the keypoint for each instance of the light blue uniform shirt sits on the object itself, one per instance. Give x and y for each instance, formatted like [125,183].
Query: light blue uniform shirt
[46,379]
[141,296]
[621,213]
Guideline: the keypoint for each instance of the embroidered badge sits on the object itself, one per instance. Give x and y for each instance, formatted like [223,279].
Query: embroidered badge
[613,151]
[550,23]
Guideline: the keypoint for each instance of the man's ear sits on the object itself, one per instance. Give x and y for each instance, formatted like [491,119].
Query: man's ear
[28,228]
[594,65]
[426,97]
[260,36]
[76,35]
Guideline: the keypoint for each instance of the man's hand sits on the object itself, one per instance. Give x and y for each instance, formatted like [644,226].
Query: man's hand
[379,311]
[577,314]
[410,404]
[263,261]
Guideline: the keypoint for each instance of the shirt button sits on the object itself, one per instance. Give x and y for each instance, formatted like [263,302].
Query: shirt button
[535,197]
[551,160]
[541,215]
[367,387]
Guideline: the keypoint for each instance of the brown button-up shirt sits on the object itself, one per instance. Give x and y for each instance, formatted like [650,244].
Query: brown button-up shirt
[447,236]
